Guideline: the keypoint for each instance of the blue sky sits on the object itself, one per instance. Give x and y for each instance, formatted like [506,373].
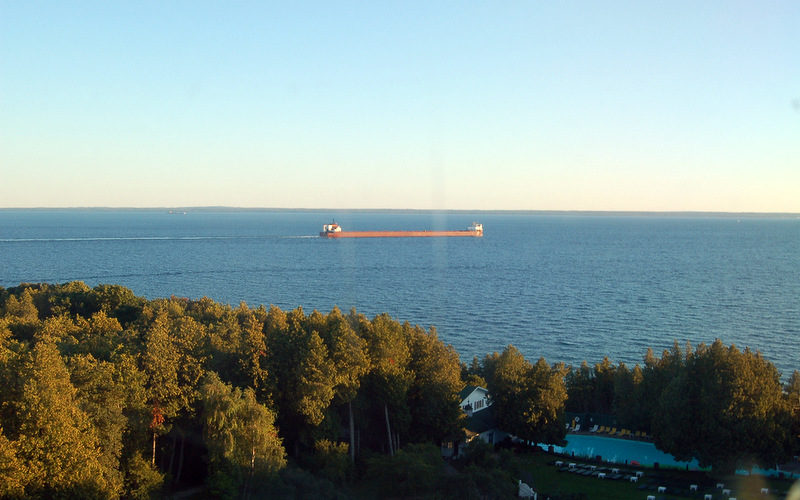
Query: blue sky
[458,105]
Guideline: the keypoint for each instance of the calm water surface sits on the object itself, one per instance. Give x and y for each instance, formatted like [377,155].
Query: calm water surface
[566,287]
[619,451]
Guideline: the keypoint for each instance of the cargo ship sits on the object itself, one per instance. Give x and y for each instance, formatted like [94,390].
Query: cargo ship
[334,230]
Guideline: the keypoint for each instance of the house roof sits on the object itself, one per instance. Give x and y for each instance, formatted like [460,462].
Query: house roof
[481,421]
[466,391]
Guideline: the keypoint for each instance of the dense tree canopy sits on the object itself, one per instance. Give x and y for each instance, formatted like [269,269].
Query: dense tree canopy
[726,408]
[720,405]
[529,399]
[104,394]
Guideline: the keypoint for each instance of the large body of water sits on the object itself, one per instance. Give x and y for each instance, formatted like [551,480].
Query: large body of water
[566,287]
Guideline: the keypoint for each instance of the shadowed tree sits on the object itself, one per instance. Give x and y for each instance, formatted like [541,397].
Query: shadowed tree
[350,363]
[793,409]
[724,408]
[190,339]
[657,374]
[528,399]
[628,396]
[117,302]
[389,378]
[301,373]
[98,336]
[581,388]
[433,395]
[604,375]
[240,436]
[473,374]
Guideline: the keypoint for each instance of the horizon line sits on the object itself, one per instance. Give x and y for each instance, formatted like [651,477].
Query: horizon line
[228,208]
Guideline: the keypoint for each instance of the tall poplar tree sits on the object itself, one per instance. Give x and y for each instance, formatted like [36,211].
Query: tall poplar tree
[349,361]
[241,438]
[160,362]
[101,396]
[433,394]
[301,374]
[57,441]
[529,400]
[389,377]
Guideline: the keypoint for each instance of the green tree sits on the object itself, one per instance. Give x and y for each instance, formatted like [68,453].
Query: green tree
[349,362]
[22,317]
[117,302]
[161,364]
[240,436]
[225,337]
[473,374]
[301,373]
[433,394]
[389,378]
[102,398]
[13,356]
[411,473]
[13,474]
[190,339]
[98,336]
[581,389]
[657,374]
[142,479]
[793,410]
[331,460]
[628,396]
[57,442]
[724,408]
[604,376]
[253,352]
[529,400]
[22,307]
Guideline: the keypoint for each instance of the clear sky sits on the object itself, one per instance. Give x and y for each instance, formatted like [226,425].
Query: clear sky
[530,105]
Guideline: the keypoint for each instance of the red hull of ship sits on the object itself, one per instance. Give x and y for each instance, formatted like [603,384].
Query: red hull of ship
[397,234]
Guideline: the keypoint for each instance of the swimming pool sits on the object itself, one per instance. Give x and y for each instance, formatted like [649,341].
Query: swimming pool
[645,453]
[620,451]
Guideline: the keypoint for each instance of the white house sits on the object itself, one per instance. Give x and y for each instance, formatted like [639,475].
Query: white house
[474,398]
[480,421]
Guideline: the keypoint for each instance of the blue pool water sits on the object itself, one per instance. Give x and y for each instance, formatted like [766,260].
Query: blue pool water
[645,453]
[620,451]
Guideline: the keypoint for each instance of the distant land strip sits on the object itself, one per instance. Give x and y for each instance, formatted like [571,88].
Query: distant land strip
[642,213]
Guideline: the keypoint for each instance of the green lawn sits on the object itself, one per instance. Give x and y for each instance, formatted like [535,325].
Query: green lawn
[548,480]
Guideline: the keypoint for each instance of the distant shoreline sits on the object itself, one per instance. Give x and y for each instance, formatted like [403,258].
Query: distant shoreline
[209,209]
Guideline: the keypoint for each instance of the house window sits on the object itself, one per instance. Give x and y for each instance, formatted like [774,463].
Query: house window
[479,404]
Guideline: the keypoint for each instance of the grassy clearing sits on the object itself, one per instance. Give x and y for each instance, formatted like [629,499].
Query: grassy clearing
[548,480]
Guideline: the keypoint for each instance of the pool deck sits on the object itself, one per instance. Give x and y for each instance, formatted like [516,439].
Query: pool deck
[631,436]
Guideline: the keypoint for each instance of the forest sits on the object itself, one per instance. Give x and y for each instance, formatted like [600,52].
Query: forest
[104,394]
